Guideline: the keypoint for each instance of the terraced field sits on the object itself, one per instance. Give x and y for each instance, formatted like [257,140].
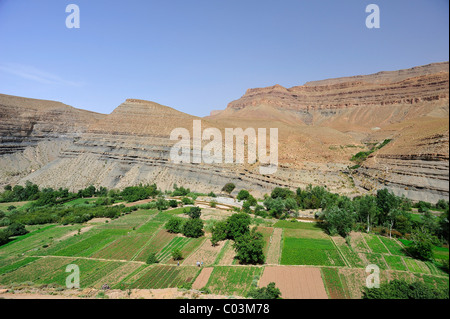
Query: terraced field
[156,277]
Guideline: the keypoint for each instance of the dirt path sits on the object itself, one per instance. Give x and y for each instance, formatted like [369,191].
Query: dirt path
[274,252]
[295,282]
[203,278]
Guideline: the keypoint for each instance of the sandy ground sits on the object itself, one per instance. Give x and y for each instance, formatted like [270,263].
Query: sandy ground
[295,282]
[203,278]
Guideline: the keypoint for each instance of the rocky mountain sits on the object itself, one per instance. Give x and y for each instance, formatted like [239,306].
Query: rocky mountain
[321,125]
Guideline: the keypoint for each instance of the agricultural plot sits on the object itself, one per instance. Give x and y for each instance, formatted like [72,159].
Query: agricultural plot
[297,225]
[305,251]
[206,253]
[334,284]
[267,233]
[226,255]
[130,221]
[233,280]
[158,242]
[358,243]
[123,248]
[35,240]
[90,271]
[375,244]
[349,255]
[395,263]
[374,259]
[416,266]
[115,276]
[36,271]
[158,277]
[13,264]
[90,245]
[295,282]
[394,247]
[274,251]
[176,243]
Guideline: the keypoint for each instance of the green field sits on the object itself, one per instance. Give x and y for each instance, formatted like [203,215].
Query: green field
[156,277]
[233,280]
[334,283]
[375,244]
[305,251]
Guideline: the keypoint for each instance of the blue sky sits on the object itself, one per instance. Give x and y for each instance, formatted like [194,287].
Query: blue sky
[199,55]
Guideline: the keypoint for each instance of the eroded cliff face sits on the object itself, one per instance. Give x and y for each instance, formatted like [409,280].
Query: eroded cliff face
[321,125]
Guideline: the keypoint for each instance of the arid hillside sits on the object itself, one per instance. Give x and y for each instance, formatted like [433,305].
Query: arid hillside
[321,125]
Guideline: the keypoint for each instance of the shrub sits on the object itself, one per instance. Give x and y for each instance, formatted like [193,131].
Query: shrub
[152,259]
[176,254]
[268,292]
[173,203]
[228,188]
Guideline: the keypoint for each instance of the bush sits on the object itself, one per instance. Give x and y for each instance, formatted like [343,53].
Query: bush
[16,229]
[400,289]
[152,259]
[269,292]
[228,188]
[243,195]
[173,203]
[176,254]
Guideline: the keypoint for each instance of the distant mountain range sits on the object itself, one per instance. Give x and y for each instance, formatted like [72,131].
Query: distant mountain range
[321,124]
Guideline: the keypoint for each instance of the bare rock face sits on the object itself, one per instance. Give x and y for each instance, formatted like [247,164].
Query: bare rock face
[321,125]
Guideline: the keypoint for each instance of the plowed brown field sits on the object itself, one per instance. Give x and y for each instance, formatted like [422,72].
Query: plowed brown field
[295,282]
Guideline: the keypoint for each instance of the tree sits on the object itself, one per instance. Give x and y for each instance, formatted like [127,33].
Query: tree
[237,225]
[338,221]
[176,254]
[367,210]
[193,212]
[219,232]
[422,244]
[174,225]
[392,217]
[249,248]
[228,188]
[386,201]
[268,292]
[193,228]
[243,195]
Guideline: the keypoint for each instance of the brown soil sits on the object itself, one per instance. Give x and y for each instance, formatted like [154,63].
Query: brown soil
[203,278]
[295,282]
